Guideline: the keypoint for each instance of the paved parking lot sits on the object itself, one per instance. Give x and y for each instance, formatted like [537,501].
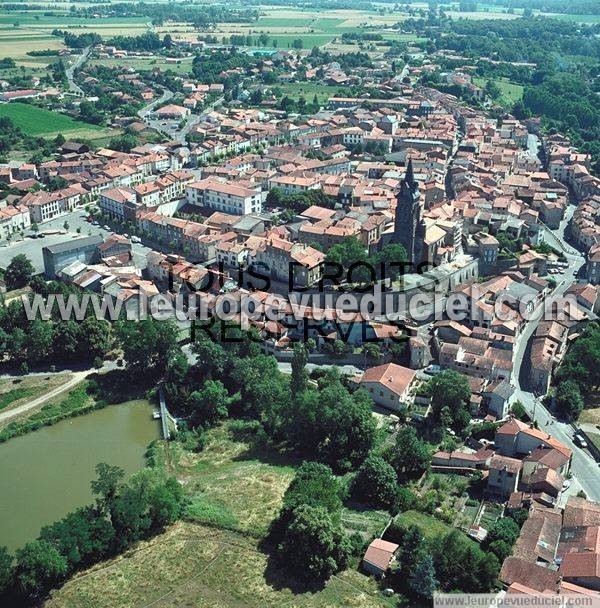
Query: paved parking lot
[32,248]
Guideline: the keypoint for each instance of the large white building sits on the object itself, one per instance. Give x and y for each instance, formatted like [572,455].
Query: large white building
[225,197]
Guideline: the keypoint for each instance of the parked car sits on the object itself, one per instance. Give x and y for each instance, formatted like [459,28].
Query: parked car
[105,227]
[126,235]
[580,441]
[136,239]
[566,485]
[432,369]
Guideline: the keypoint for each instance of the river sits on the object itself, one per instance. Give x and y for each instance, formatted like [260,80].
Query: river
[47,473]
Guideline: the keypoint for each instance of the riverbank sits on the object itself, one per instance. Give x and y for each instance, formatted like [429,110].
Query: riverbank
[46,474]
[94,391]
[234,487]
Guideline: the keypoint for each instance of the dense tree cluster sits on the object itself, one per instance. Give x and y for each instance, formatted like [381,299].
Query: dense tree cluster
[232,377]
[123,514]
[452,562]
[351,254]
[450,396]
[579,373]
[307,535]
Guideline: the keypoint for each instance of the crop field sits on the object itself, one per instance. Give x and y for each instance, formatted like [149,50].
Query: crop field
[36,122]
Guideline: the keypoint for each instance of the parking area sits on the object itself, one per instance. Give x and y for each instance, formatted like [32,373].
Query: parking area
[32,248]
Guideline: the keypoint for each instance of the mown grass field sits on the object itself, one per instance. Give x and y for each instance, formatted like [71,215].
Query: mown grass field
[308,90]
[203,567]
[213,558]
[184,66]
[510,92]
[39,122]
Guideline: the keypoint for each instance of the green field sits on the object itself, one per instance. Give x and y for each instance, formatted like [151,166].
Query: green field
[213,559]
[431,528]
[510,92]
[308,90]
[203,567]
[38,122]
[577,18]
[141,64]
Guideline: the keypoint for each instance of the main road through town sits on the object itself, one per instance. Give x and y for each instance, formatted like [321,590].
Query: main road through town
[584,468]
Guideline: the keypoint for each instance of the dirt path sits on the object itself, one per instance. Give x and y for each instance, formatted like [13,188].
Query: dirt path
[30,405]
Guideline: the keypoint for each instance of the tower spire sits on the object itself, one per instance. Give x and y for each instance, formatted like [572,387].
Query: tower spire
[409,178]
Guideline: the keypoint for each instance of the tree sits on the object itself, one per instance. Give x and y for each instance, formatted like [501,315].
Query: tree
[82,537]
[501,549]
[6,570]
[211,356]
[105,487]
[376,483]
[492,89]
[410,456]
[451,389]
[39,566]
[39,340]
[96,337]
[130,516]
[331,425]
[146,344]
[504,529]
[18,272]
[210,403]
[422,581]
[164,502]
[461,564]
[312,545]
[314,484]
[299,375]
[569,400]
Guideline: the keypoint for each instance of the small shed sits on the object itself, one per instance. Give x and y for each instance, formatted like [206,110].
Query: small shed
[379,556]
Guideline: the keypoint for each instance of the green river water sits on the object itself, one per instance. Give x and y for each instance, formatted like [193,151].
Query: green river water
[47,473]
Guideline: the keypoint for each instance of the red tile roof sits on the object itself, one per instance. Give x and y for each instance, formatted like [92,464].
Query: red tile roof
[380,553]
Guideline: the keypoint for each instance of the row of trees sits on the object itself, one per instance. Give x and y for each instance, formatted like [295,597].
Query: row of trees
[122,514]
[146,344]
[579,373]
[324,422]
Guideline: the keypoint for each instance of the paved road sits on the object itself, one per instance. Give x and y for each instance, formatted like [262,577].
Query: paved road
[171,128]
[284,366]
[70,71]
[167,94]
[584,467]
